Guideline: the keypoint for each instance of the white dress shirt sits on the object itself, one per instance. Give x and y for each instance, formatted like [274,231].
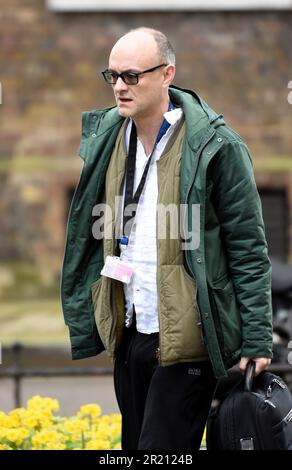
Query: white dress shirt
[141,250]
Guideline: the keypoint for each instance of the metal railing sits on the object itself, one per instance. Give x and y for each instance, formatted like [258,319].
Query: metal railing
[17,372]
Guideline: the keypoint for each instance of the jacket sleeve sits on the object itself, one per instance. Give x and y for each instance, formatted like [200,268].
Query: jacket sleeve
[239,211]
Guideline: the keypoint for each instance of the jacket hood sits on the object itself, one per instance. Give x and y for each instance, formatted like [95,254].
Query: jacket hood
[201,120]
[188,98]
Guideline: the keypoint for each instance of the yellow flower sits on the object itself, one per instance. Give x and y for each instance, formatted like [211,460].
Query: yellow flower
[30,421]
[118,446]
[16,436]
[56,446]
[98,444]
[48,441]
[91,409]
[52,435]
[76,426]
[44,404]
[115,429]
[36,427]
[4,420]
[39,439]
[23,433]
[106,419]
[34,402]
[103,432]
[51,404]
[18,412]
[5,447]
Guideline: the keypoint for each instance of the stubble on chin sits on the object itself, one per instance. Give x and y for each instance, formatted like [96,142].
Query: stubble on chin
[123,113]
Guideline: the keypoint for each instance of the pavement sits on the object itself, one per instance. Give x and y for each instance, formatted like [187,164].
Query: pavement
[72,392]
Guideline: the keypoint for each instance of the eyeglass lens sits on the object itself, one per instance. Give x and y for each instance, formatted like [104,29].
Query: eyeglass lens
[127,77]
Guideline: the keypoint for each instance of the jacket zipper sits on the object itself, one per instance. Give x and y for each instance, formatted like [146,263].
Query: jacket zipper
[186,201]
[158,350]
[193,179]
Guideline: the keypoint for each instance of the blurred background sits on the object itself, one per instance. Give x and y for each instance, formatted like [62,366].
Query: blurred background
[236,54]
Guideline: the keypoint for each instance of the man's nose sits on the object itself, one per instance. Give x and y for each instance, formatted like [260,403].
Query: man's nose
[120,85]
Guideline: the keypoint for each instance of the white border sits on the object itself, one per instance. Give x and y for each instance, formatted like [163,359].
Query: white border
[166,5]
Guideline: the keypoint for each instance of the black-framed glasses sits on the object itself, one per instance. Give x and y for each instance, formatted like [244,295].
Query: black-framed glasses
[130,78]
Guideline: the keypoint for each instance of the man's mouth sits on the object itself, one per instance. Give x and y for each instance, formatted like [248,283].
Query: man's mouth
[124,100]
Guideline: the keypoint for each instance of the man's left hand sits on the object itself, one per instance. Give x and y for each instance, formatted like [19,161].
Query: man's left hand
[261,363]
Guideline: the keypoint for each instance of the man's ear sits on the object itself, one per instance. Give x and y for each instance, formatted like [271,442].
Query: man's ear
[169,73]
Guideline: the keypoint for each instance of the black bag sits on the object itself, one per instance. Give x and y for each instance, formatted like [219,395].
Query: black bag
[255,414]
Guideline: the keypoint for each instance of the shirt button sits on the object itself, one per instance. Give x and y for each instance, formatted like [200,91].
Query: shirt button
[206,315]
[219,139]
[93,135]
[199,260]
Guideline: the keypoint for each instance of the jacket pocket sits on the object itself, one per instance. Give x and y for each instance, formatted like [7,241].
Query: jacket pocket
[180,330]
[228,315]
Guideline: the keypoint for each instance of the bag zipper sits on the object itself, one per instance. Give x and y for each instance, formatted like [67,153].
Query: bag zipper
[281,384]
[269,389]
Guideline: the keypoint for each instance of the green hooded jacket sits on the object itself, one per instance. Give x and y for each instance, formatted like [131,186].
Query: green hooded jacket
[230,264]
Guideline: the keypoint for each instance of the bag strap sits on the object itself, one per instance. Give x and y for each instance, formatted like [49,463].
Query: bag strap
[249,376]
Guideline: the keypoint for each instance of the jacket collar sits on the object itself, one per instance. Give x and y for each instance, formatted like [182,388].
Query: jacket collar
[106,119]
[199,117]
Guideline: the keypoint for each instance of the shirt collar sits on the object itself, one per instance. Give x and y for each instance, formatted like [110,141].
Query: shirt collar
[173,116]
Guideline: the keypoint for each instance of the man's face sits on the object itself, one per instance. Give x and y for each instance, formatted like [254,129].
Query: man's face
[137,52]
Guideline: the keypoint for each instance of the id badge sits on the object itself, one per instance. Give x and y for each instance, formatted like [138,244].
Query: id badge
[117,269]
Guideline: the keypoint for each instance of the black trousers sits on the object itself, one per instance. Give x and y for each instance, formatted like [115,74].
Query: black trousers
[163,408]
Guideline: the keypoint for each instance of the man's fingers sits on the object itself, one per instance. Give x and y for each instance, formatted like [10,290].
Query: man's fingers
[243,363]
[261,363]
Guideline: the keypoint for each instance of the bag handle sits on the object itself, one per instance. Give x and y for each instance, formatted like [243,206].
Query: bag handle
[248,376]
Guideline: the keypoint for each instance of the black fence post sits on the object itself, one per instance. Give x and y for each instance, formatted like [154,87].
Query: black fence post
[17,352]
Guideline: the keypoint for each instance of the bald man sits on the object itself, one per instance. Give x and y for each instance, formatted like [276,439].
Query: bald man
[166,264]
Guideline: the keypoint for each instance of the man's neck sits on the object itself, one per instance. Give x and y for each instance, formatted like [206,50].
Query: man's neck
[148,128]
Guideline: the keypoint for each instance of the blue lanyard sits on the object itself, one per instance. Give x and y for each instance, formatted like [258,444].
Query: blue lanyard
[165,125]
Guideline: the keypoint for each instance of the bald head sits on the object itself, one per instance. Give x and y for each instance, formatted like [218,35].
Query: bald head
[147,44]
[135,48]
[165,49]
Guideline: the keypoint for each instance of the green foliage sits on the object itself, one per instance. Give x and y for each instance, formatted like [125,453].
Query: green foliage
[24,280]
